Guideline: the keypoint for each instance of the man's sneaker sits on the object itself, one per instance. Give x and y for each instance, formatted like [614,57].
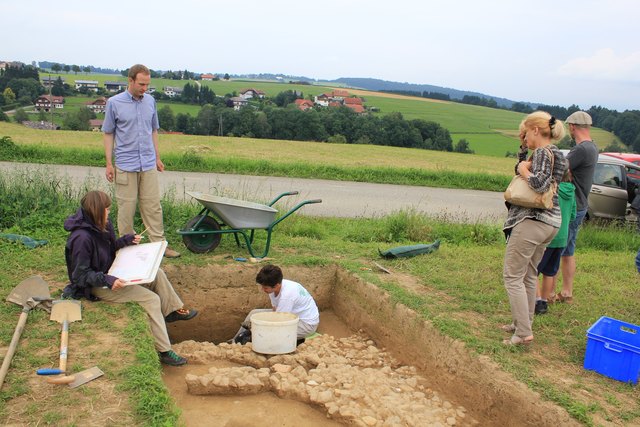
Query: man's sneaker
[243,337]
[541,307]
[180,314]
[171,358]
[170,253]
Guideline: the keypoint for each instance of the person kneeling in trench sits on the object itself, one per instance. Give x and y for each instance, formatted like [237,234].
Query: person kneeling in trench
[89,253]
[286,296]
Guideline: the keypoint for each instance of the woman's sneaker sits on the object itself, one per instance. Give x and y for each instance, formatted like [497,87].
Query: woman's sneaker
[171,358]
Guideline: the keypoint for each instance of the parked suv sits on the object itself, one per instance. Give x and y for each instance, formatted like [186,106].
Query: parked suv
[614,185]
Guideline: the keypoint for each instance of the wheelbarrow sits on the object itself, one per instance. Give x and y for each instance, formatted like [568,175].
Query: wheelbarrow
[222,215]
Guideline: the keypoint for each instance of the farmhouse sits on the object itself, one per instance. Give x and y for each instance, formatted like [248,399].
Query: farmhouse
[96,124]
[115,87]
[356,108]
[251,93]
[303,104]
[238,102]
[322,99]
[98,105]
[172,92]
[43,102]
[207,77]
[89,84]
[50,81]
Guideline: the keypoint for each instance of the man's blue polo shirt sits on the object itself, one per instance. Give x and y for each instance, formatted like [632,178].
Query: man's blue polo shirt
[132,122]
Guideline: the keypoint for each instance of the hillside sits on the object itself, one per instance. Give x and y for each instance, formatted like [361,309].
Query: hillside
[489,131]
[385,85]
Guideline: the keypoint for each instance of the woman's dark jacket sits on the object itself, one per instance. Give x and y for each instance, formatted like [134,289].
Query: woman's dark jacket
[89,253]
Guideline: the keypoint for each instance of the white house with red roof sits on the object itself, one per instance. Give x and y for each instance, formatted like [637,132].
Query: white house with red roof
[98,105]
[43,102]
[207,77]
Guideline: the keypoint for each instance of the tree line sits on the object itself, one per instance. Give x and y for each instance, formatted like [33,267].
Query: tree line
[339,125]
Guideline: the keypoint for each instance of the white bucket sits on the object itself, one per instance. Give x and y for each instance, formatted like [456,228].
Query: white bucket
[273,332]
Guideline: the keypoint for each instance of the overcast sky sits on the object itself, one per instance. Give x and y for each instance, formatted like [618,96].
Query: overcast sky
[560,52]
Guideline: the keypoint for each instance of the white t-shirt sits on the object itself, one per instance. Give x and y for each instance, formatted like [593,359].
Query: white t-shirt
[294,298]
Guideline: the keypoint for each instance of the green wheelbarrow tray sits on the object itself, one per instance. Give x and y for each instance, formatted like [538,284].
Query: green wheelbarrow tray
[222,215]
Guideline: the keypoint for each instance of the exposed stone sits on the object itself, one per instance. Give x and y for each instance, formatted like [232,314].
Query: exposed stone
[355,382]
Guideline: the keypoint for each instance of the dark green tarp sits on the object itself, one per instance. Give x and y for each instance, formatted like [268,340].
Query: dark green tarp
[25,240]
[409,251]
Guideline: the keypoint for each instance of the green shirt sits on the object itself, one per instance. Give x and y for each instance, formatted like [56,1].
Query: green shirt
[567,202]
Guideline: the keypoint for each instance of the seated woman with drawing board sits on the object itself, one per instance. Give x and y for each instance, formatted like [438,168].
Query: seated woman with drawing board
[90,251]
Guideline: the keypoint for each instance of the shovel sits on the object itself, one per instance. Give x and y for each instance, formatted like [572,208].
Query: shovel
[65,312]
[28,294]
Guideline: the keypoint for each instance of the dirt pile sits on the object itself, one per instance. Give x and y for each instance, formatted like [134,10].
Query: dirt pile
[350,378]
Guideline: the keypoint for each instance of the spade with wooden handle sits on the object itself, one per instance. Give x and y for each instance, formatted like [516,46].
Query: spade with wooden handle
[35,289]
[64,312]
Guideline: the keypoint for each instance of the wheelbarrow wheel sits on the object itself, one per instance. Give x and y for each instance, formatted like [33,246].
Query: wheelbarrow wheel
[205,242]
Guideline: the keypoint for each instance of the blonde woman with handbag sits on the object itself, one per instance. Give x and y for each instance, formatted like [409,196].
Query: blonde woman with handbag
[529,229]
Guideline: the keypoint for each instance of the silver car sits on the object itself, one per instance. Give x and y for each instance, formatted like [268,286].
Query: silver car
[613,189]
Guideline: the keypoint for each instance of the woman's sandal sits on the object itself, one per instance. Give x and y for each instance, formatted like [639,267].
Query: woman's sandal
[508,328]
[562,298]
[517,341]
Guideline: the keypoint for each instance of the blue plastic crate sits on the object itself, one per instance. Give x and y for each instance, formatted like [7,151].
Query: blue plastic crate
[613,349]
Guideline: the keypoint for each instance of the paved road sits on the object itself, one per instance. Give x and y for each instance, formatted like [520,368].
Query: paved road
[339,198]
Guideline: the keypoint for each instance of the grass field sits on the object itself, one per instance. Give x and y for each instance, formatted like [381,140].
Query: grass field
[346,155]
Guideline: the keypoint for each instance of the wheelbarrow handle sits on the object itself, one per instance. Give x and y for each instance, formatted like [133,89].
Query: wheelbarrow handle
[314,201]
[288,193]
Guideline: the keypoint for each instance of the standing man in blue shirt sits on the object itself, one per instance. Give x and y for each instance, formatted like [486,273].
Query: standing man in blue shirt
[131,133]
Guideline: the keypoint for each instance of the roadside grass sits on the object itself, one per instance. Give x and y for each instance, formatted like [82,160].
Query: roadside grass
[458,289]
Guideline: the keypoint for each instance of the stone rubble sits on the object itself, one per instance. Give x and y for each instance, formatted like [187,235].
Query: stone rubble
[349,378]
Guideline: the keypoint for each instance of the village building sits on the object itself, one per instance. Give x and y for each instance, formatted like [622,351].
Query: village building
[207,77]
[43,102]
[252,93]
[115,87]
[50,81]
[172,92]
[322,99]
[356,108]
[304,104]
[89,84]
[96,124]
[238,102]
[97,106]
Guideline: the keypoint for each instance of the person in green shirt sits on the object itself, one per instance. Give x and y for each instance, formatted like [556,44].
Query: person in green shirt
[550,262]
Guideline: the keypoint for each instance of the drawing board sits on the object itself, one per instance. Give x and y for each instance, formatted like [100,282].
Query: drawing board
[138,264]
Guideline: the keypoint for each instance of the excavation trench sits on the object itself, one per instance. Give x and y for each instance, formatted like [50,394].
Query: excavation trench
[370,352]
